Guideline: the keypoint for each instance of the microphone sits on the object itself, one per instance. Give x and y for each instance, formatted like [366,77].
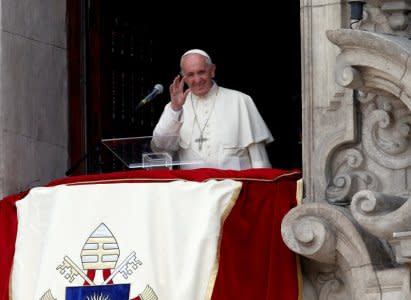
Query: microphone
[158,89]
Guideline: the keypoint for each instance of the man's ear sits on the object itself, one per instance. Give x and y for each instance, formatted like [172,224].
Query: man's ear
[213,67]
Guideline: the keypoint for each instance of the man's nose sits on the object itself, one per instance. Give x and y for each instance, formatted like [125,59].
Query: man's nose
[197,78]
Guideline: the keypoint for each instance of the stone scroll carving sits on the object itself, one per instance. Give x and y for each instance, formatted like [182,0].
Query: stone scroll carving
[373,62]
[386,133]
[349,175]
[378,66]
[386,217]
[381,156]
[326,234]
[381,214]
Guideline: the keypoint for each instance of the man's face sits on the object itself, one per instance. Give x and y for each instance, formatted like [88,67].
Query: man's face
[197,74]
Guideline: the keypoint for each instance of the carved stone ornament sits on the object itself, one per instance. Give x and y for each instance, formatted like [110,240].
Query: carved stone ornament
[349,176]
[327,235]
[373,62]
[354,235]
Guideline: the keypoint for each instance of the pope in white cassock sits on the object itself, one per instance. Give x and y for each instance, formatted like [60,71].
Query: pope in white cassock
[210,125]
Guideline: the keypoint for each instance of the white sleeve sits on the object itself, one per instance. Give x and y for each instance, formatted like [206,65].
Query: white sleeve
[166,132]
[258,156]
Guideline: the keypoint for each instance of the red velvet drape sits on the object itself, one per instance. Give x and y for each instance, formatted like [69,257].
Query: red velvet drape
[254,261]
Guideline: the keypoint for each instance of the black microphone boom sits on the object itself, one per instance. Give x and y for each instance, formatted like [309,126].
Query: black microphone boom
[158,89]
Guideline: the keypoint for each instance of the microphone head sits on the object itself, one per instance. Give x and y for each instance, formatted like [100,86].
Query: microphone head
[159,88]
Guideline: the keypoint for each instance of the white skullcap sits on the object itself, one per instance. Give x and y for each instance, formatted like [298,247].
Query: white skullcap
[197,51]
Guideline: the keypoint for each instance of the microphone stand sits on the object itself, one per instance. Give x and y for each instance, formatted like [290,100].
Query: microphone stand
[96,149]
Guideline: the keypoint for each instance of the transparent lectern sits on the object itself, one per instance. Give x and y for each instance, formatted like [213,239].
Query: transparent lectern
[137,152]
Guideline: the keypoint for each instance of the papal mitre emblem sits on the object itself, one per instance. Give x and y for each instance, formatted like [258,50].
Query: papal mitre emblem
[101,250]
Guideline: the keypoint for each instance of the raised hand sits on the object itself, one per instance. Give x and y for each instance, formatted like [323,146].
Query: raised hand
[177,93]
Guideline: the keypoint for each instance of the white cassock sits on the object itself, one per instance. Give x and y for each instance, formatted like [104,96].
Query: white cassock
[220,130]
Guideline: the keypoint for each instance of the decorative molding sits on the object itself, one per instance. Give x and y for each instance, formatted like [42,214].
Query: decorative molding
[373,62]
[356,155]
[381,214]
[397,12]
[386,133]
[325,234]
[375,20]
[349,176]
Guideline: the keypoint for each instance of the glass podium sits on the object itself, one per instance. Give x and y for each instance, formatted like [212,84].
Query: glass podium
[137,152]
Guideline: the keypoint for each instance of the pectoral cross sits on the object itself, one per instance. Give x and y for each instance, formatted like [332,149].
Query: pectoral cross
[200,141]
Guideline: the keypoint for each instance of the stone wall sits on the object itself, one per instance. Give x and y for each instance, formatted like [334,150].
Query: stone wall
[33,93]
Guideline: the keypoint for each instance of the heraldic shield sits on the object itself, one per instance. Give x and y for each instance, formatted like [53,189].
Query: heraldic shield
[99,292]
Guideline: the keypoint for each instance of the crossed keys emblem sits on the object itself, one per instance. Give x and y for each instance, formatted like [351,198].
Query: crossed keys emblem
[100,253]
[70,270]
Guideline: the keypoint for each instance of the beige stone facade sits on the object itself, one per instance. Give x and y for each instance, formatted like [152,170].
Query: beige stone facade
[353,230]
